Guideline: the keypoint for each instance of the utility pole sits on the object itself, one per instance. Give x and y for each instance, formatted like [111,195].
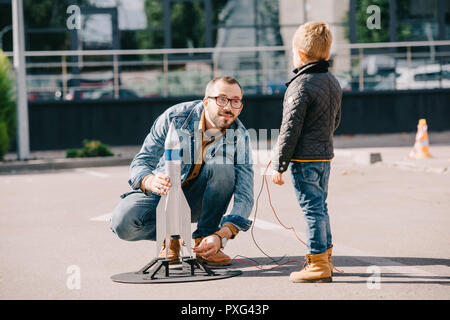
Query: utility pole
[23,136]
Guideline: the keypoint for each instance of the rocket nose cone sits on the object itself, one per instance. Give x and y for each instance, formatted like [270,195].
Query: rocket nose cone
[172,138]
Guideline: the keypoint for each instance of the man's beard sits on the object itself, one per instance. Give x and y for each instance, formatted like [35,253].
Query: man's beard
[223,123]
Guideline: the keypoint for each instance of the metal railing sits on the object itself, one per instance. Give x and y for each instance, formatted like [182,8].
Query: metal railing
[93,74]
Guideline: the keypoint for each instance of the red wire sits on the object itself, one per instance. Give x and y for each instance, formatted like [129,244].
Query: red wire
[274,212]
[284,226]
[276,216]
[267,269]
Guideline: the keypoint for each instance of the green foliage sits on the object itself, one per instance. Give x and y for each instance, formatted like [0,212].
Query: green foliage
[154,39]
[187,24]
[92,148]
[4,140]
[95,148]
[72,153]
[191,17]
[7,103]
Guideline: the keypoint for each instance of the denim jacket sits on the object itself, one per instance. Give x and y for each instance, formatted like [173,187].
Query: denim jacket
[232,147]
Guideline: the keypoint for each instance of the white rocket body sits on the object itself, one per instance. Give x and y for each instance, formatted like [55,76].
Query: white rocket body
[173,214]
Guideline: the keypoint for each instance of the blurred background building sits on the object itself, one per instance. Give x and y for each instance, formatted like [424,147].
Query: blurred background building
[223,26]
[130,60]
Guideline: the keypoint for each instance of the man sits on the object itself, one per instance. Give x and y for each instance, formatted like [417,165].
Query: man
[216,165]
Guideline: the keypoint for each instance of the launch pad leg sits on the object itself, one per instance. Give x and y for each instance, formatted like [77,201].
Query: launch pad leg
[159,271]
[157,264]
[192,264]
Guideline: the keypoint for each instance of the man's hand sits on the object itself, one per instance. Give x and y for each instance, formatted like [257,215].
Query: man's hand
[159,183]
[209,246]
[277,178]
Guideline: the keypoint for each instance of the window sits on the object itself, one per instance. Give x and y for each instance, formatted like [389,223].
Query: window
[417,20]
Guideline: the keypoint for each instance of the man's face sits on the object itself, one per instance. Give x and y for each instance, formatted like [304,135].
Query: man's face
[222,117]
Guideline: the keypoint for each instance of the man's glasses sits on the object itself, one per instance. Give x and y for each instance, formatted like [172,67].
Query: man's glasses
[223,102]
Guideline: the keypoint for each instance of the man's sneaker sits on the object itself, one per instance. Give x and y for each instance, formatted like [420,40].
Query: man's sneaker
[173,253]
[220,259]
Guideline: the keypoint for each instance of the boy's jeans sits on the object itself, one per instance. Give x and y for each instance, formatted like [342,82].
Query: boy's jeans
[311,188]
[208,196]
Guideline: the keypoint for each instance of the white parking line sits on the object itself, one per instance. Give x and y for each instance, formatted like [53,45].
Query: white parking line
[383,263]
[265,225]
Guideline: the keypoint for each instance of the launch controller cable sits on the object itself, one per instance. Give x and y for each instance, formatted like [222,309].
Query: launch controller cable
[275,261]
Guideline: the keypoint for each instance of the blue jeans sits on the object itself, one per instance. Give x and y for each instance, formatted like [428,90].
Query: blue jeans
[311,189]
[208,196]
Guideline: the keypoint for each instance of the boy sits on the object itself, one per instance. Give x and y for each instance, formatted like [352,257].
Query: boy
[311,113]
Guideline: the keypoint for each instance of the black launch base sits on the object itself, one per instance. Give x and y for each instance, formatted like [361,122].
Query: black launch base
[159,271]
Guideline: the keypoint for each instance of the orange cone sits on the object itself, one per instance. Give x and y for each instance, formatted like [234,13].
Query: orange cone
[421,148]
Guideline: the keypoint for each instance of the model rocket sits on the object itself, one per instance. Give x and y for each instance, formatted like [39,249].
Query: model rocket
[173,214]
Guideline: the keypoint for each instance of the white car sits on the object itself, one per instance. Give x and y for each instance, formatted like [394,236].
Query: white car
[424,77]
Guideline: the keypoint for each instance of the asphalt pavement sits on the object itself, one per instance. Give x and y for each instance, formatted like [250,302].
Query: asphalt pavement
[390,222]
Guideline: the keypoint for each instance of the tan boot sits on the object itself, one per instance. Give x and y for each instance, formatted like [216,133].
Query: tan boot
[317,269]
[173,253]
[220,259]
[330,263]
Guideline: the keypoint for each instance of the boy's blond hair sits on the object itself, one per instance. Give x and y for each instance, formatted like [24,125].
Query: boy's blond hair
[314,39]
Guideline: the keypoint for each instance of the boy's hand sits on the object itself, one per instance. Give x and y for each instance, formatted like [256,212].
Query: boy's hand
[277,178]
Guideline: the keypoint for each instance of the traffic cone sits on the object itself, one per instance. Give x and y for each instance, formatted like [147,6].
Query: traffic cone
[421,148]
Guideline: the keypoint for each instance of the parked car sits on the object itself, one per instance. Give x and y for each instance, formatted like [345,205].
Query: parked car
[275,87]
[81,89]
[424,77]
[100,93]
[123,94]
[35,95]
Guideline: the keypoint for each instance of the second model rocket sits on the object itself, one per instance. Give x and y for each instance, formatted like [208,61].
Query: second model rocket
[173,214]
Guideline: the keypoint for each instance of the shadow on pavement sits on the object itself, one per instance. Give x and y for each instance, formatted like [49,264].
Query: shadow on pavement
[283,266]
[365,261]
[387,278]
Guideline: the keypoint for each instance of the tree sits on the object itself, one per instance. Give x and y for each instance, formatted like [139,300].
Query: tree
[7,105]
[187,24]
[152,39]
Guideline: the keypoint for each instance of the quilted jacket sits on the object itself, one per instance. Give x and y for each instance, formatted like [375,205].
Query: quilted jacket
[311,114]
[232,147]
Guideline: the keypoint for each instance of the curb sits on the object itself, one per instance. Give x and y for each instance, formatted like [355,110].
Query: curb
[54,164]
[360,157]
[402,165]
[356,157]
